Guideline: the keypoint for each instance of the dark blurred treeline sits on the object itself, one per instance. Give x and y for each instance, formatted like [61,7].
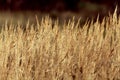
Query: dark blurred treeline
[48,5]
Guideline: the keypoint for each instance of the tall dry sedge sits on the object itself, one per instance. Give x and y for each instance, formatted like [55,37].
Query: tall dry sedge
[48,52]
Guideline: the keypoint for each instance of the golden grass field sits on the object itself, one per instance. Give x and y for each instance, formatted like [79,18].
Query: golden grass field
[49,51]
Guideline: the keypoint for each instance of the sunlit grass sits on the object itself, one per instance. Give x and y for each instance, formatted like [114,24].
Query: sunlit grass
[45,51]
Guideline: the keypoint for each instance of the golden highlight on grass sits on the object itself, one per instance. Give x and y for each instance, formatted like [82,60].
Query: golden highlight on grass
[49,51]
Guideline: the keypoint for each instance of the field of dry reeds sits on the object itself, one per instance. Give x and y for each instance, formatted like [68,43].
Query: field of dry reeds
[49,51]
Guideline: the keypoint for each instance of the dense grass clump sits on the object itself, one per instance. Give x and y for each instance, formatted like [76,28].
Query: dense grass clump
[48,52]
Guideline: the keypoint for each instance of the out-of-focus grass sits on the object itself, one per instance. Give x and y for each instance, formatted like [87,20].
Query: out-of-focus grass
[47,52]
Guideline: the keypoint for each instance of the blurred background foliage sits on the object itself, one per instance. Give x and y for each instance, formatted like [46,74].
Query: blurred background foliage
[57,8]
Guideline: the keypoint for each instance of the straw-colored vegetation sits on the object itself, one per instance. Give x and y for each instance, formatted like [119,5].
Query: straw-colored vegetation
[49,51]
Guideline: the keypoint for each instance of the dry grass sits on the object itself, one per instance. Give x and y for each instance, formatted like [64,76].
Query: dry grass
[71,53]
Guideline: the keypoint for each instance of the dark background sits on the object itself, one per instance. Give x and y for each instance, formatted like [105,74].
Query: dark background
[85,8]
[48,5]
